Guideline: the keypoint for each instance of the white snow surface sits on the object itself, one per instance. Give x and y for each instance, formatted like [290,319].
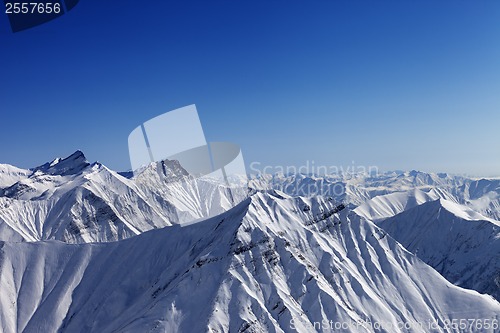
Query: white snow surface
[76,202]
[460,244]
[86,249]
[10,175]
[267,265]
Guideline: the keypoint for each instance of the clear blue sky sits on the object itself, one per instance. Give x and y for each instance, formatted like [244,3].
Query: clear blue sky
[397,84]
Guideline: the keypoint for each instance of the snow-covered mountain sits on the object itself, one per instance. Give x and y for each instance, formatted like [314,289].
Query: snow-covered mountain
[482,195]
[86,249]
[271,264]
[74,201]
[356,189]
[458,242]
[384,206]
[9,175]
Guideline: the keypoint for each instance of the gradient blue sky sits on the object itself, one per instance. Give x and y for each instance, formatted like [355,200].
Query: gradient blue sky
[396,84]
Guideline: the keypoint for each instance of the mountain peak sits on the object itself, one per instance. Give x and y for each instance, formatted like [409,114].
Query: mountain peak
[77,154]
[169,170]
[70,165]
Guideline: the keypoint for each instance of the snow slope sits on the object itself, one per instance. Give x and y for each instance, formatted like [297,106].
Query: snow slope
[385,206]
[483,195]
[271,264]
[71,200]
[9,175]
[74,201]
[358,188]
[458,242]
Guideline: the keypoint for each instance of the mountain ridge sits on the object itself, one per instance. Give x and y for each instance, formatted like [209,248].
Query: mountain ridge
[256,267]
[465,249]
[85,249]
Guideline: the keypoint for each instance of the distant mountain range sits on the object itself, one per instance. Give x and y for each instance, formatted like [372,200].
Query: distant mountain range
[87,249]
